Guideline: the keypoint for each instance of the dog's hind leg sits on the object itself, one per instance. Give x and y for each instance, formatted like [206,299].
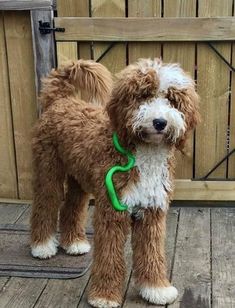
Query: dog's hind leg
[149,262]
[48,195]
[73,216]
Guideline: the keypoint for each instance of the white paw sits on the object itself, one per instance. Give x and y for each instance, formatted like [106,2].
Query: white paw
[78,248]
[103,303]
[160,296]
[45,250]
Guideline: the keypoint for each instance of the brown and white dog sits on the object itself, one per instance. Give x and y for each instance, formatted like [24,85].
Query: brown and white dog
[152,106]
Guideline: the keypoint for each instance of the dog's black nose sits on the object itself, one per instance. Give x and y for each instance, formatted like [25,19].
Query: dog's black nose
[159,124]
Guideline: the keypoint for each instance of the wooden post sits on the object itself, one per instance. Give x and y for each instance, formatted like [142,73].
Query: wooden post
[43,47]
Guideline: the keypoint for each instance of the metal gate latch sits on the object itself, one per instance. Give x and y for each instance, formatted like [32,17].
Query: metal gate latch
[45,28]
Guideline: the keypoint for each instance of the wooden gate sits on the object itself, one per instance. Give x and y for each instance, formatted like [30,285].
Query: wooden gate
[197,34]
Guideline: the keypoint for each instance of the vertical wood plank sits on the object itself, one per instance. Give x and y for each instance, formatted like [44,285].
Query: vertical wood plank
[223,261]
[191,270]
[66,51]
[73,8]
[138,8]
[8,177]
[231,161]
[183,53]
[78,8]
[23,93]
[115,59]
[213,87]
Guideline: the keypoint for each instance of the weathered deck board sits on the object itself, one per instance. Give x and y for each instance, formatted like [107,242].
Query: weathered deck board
[25,217]
[3,281]
[223,258]
[11,212]
[63,293]
[21,292]
[18,292]
[191,270]
[188,245]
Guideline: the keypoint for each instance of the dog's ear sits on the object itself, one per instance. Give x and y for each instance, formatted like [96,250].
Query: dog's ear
[131,87]
[187,102]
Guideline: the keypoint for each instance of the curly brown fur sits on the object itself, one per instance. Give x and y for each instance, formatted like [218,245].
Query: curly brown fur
[131,87]
[92,79]
[74,137]
[187,101]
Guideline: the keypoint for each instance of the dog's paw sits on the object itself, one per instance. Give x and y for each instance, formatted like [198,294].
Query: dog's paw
[102,303]
[78,248]
[45,250]
[160,296]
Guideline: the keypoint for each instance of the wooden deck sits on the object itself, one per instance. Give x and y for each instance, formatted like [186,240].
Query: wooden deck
[201,256]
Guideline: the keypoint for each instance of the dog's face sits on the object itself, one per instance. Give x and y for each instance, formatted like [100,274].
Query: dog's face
[154,103]
[158,121]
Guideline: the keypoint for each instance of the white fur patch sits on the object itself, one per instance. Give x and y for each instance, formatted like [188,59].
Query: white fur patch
[154,182]
[170,75]
[78,248]
[45,250]
[103,303]
[160,296]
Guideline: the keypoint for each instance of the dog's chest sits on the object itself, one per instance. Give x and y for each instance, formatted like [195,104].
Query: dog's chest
[154,181]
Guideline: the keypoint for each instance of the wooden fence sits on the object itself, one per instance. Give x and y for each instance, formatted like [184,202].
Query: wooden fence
[215,136]
[17,104]
[21,64]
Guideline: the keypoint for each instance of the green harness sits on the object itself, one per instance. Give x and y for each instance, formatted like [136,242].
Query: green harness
[117,205]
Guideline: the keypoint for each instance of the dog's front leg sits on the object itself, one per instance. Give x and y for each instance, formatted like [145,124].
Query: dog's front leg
[149,262]
[108,270]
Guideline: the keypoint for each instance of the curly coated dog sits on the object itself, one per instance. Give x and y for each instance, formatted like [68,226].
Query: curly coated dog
[151,106]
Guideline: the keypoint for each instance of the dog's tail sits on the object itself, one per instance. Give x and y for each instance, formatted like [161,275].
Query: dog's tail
[92,80]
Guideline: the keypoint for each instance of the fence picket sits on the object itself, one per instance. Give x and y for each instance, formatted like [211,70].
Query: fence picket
[183,53]
[23,93]
[8,181]
[115,59]
[213,87]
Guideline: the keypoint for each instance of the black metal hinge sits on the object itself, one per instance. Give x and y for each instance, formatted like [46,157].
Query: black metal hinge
[45,28]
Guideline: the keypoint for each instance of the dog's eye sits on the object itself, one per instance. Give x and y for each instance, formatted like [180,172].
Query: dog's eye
[172,99]
[173,103]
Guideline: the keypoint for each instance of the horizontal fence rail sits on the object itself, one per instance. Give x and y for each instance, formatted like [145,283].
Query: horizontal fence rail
[25,5]
[204,190]
[146,29]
